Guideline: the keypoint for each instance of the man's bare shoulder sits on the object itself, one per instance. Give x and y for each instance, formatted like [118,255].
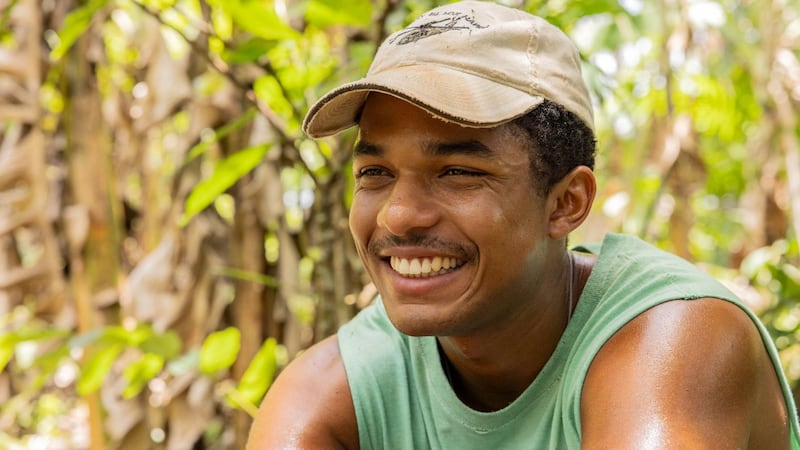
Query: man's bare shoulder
[309,405]
[685,374]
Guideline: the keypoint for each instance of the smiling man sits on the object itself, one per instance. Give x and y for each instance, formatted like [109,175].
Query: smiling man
[473,165]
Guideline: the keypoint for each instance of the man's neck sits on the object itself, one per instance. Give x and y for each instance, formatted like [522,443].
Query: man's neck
[491,377]
[491,370]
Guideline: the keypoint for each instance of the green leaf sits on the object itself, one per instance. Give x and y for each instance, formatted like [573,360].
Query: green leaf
[6,32]
[75,24]
[51,360]
[269,91]
[32,333]
[6,352]
[331,12]
[259,374]
[220,133]
[251,50]
[257,17]
[116,334]
[96,368]
[226,174]
[140,372]
[112,335]
[9,340]
[219,350]
[167,345]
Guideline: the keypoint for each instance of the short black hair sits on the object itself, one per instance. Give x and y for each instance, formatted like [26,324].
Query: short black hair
[559,141]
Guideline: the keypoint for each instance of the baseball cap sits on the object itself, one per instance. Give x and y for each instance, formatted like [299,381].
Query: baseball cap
[478,64]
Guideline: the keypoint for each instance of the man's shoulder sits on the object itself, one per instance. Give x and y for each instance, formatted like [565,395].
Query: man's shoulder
[680,362]
[678,332]
[708,320]
[321,364]
[309,404]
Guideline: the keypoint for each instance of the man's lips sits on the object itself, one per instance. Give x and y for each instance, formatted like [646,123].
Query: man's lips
[420,256]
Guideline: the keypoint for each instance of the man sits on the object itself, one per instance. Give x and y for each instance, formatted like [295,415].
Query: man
[472,167]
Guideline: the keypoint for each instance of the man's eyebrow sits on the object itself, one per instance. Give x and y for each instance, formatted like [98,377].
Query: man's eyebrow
[366,149]
[466,148]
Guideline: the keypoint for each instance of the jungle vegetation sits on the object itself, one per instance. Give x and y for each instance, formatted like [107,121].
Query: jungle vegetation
[169,238]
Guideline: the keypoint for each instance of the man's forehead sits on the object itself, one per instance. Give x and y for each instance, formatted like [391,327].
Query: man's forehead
[383,111]
[433,148]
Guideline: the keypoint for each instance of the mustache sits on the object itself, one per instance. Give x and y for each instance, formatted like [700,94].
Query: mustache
[418,240]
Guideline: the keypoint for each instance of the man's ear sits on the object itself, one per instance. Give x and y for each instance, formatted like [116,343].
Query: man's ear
[570,201]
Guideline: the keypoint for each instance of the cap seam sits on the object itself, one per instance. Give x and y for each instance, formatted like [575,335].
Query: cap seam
[533,48]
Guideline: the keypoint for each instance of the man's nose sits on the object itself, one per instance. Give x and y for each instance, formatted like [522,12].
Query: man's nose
[409,207]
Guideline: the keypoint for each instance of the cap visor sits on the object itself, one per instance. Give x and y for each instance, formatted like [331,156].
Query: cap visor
[449,94]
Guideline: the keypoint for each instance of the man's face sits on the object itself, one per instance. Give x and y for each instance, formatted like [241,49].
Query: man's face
[447,221]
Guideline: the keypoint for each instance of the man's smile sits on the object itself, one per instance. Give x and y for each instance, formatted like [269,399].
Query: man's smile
[424,267]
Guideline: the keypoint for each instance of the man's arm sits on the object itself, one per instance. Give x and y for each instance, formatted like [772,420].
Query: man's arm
[685,374]
[309,405]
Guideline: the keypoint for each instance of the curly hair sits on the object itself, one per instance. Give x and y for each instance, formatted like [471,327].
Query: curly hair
[558,141]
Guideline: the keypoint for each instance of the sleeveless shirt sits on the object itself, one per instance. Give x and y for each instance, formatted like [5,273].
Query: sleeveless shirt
[403,400]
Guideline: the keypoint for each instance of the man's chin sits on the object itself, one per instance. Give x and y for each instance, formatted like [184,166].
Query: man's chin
[417,331]
[418,323]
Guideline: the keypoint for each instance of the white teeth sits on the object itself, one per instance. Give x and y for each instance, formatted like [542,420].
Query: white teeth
[423,267]
[426,265]
[403,266]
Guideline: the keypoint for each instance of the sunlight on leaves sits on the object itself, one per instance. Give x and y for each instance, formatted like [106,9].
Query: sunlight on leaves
[96,367]
[75,24]
[166,345]
[328,12]
[139,372]
[219,350]
[257,379]
[220,133]
[258,18]
[269,91]
[226,175]
[6,352]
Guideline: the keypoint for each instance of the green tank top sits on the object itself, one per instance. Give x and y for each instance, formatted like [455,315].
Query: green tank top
[403,400]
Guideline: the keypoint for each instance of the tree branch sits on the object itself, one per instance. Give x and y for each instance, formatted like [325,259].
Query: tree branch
[285,138]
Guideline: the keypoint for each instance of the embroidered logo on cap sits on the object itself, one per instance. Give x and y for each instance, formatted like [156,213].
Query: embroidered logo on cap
[456,21]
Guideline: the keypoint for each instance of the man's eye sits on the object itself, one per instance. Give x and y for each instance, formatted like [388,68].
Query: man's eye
[458,171]
[371,172]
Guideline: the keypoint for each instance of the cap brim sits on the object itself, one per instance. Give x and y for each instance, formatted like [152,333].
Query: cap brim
[449,94]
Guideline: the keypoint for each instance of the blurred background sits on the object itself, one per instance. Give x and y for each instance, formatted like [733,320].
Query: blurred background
[169,238]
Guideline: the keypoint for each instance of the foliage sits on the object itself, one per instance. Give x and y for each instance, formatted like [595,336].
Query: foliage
[193,240]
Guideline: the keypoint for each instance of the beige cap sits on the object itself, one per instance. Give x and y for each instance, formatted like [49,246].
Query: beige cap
[478,64]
